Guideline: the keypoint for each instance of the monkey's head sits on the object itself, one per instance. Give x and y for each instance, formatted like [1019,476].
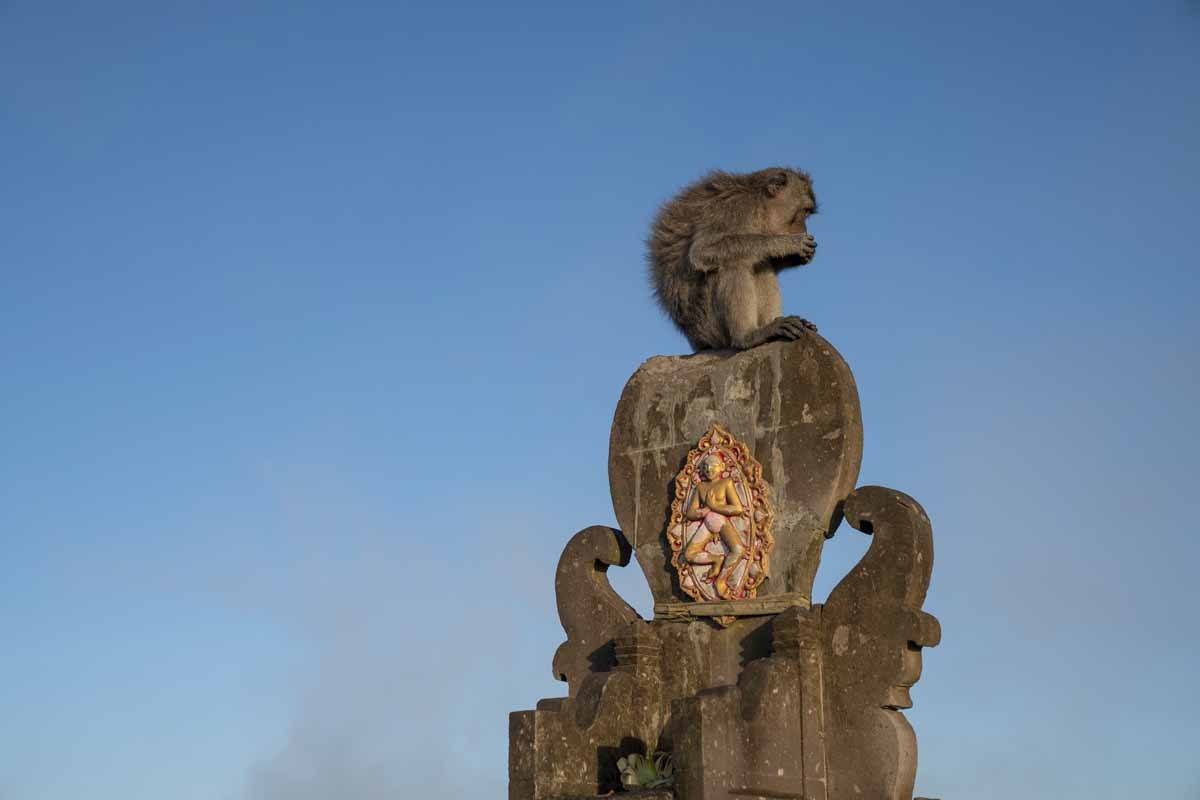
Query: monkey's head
[787,200]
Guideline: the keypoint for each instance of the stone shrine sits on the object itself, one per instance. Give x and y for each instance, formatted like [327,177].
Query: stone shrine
[728,471]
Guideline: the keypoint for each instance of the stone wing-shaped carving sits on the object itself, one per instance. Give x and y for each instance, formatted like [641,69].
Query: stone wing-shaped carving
[873,630]
[588,607]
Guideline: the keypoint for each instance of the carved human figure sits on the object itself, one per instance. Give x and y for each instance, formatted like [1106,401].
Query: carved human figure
[712,505]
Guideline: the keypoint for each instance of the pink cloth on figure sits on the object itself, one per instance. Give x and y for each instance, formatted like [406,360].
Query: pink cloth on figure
[714,521]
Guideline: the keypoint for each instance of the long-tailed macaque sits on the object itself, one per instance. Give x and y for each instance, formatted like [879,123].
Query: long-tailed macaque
[715,250]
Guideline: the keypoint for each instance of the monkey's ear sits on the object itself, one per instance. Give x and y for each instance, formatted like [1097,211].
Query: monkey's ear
[776,182]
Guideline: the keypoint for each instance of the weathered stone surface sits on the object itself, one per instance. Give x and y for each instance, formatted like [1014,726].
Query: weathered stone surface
[761,736]
[569,747]
[794,403]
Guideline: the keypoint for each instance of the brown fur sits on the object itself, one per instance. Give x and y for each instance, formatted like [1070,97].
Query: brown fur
[715,250]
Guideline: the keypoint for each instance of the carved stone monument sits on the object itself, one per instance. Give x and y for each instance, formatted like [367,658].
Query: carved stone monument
[729,469]
[728,472]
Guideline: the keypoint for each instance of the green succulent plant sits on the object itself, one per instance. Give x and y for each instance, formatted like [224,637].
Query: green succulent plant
[654,771]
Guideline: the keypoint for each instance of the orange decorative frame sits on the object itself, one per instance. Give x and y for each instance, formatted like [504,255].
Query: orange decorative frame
[743,578]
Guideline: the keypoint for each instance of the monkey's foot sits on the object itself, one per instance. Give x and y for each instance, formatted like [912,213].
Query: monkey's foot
[784,329]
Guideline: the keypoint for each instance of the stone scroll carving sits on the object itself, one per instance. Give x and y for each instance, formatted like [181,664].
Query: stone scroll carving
[873,630]
[588,608]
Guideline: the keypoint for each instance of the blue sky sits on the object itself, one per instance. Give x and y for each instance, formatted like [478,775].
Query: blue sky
[313,318]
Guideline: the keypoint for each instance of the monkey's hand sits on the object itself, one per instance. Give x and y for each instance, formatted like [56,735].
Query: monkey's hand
[782,329]
[805,247]
[793,251]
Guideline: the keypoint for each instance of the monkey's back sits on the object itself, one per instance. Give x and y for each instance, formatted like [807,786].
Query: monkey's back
[717,203]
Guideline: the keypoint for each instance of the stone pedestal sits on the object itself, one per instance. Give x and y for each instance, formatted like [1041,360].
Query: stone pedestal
[788,699]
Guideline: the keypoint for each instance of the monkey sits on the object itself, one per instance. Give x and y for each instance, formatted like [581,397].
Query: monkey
[715,251]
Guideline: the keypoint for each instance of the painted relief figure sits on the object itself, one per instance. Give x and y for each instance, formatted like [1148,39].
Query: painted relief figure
[720,529]
[713,504]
